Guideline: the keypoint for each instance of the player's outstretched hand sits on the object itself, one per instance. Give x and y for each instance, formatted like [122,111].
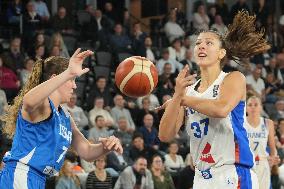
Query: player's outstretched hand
[111,143]
[76,61]
[183,80]
[163,106]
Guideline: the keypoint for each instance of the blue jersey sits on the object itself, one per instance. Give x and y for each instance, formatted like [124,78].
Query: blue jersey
[42,145]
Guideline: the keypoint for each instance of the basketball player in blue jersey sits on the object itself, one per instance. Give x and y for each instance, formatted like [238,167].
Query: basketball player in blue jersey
[260,132]
[42,131]
[214,107]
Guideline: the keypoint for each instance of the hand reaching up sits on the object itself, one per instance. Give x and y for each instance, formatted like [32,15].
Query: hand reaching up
[76,61]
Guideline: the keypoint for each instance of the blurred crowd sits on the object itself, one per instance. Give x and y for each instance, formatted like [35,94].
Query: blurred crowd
[100,110]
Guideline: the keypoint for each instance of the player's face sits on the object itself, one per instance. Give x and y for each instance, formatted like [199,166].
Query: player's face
[207,50]
[254,107]
[66,90]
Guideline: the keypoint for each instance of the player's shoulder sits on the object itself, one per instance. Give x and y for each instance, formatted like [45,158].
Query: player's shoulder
[235,75]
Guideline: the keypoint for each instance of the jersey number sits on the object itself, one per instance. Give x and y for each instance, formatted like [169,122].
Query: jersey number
[197,126]
[256,145]
[64,148]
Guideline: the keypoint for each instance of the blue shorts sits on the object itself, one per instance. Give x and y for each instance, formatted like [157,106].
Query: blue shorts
[16,175]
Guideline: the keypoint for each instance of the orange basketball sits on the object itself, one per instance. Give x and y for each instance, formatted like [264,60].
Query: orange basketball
[136,76]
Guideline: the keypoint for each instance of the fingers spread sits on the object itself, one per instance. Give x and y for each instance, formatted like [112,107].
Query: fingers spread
[183,72]
[76,52]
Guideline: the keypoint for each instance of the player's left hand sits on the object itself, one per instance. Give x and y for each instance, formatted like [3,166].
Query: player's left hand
[111,143]
[273,160]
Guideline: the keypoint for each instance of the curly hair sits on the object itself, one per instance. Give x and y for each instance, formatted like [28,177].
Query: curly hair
[41,72]
[242,40]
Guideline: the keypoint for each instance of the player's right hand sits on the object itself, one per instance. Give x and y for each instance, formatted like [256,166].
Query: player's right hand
[76,62]
[184,80]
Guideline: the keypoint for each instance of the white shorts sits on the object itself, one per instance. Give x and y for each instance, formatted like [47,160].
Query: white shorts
[227,177]
[262,170]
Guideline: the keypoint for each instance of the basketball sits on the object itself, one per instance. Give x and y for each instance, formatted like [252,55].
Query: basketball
[136,76]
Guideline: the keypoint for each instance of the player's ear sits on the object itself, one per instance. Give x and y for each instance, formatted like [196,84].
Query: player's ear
[222,53]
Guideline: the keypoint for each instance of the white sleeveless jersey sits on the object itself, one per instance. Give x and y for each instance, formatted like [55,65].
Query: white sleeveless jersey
[258,138]
[217,141]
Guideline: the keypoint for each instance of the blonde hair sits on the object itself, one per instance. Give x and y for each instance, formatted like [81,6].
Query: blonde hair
[41,72]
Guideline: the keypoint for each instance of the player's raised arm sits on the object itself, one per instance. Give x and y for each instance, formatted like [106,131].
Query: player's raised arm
[174,112]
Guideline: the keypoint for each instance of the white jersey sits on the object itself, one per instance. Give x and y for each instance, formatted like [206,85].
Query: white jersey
[258,138]
[217,141]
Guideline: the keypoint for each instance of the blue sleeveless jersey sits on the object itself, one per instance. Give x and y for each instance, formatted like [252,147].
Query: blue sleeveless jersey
[42,145]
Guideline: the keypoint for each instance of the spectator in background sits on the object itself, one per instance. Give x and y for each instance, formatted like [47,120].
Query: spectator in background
[136,176]
[15,57]
[186,176]
[126,23]
[120,111]
[172,29]
[173,162]
[39,40]
[148,50]
[32,22]
[181,17]
[146,108]
[211,14]
[116,161]
[238,6]
[98,131]
[218,25]
[149,132]
[99,110]
[176,50]
[55,51]
[67,179]
[138,148]
[57,40]
[123,133]
[273,68]
[99,178]
[26,72]
[255,83]
[188,61]
[111,14]
[99,29]
[14,11]
[261,10]
[39,52]
[272,87]
[3,102]
[77,113]
[61,22]
[279,113]
[138,37]
[120,42]
[100,89]
[161,177]
[223,10]
[200,18]
[42,10]
[176,66]
[153,99]
[9,81]
[166,82]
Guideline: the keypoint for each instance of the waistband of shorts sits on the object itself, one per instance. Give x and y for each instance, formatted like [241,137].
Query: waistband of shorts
[22,166]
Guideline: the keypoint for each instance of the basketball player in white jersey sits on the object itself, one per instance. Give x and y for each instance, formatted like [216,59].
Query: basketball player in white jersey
[260,132]
[214,107]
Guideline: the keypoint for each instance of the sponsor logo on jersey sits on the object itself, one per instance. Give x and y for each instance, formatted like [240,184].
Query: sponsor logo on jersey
[63,131]
[205,155]
[215,90]
[206,174]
